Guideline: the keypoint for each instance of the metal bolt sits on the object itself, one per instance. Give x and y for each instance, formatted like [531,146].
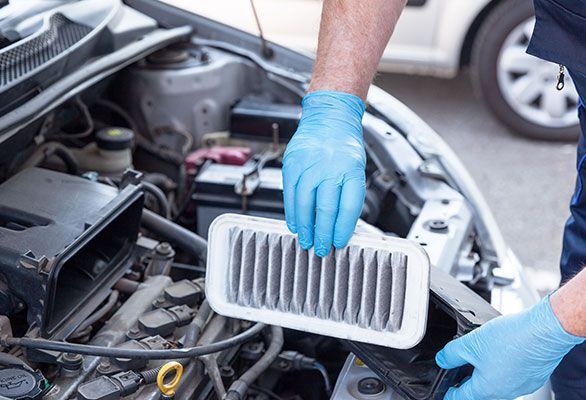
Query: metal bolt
[438,225]
[371,386]
[104,367]
[164,248]
[71,361]
[71,356]
[228,374]
[275,131]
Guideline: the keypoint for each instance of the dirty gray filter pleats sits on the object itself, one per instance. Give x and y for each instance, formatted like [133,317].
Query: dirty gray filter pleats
[358,286]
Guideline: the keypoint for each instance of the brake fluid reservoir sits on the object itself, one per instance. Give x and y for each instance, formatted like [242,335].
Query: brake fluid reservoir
[110,154]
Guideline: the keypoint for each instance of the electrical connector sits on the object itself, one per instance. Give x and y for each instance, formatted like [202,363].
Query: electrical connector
[110,387]
[293,361]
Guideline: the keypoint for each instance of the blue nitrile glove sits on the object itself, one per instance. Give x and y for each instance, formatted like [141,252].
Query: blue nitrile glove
[323,171]
[512,355]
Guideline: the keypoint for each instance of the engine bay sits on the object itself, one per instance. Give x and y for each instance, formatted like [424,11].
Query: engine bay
[106,199]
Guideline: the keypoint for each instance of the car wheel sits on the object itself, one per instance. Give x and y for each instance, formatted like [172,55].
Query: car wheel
[521,89]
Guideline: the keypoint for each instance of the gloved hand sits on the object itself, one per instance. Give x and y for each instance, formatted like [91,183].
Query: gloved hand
[323,171]
[512,355]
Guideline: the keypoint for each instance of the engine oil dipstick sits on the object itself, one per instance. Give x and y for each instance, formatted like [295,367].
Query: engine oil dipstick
[168,388]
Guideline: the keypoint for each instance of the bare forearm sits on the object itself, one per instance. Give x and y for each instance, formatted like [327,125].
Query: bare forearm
[569,305]
[352,37]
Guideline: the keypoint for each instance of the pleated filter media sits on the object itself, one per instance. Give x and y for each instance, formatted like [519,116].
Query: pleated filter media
[375,290]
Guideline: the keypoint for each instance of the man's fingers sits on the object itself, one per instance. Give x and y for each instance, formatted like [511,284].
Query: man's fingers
[328,198]
[453,355]
[467,391]
[305,192]
[351,200]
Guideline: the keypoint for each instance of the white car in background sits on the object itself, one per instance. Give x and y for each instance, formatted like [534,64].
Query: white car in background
[440,38]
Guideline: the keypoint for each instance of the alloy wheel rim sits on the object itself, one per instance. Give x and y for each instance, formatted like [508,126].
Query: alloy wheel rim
[528,84]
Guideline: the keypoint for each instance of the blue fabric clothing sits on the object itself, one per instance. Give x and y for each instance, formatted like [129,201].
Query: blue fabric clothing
[569,379]
[560,37]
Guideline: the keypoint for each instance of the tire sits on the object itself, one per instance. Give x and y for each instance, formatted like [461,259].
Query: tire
[493,80]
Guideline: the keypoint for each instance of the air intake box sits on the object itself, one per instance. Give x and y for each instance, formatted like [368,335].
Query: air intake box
[64,241]
[454,310]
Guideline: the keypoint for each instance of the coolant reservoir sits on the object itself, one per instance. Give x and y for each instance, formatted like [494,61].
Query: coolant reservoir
[110,154]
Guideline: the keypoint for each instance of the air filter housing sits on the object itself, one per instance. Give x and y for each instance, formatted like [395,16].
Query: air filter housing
[375,290]
[64,242]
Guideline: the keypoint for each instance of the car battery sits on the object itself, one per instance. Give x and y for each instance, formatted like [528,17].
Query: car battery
[254,118]
[219,190]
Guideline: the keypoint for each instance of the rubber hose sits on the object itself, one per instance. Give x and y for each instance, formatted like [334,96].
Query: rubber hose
[189,241]
[9,359]
[319,367]
[195,327]
[238,389]
[64,155]
[48,150]
[150,375]
[95,317]
[159,180]
[126,285]
[142,354]
[162,202]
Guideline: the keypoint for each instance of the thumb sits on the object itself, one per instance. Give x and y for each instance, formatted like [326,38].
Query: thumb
[468,391]
[454,354]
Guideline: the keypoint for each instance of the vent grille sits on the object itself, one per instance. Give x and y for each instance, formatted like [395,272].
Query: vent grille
[18,61]
[358,286]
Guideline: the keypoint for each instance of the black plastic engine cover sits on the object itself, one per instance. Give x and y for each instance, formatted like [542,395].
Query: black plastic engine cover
[64,241]
[454,310]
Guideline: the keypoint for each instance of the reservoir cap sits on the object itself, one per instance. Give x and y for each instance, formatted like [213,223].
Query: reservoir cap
[114,138]
[16,382]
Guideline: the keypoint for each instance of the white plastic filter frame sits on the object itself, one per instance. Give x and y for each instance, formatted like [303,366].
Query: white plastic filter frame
[416,288]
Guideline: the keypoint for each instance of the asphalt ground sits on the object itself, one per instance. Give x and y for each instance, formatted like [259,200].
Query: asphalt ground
[527,183]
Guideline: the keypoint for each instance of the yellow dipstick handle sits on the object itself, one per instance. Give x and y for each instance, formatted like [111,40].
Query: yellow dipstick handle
[168,389]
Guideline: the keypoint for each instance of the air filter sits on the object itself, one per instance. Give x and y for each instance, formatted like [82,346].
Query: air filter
[375,290]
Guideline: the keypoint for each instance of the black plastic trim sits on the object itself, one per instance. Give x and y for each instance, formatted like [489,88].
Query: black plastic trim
[416,3]
[454,310]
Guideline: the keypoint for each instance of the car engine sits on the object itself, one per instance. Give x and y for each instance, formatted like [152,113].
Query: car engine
[113,167]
